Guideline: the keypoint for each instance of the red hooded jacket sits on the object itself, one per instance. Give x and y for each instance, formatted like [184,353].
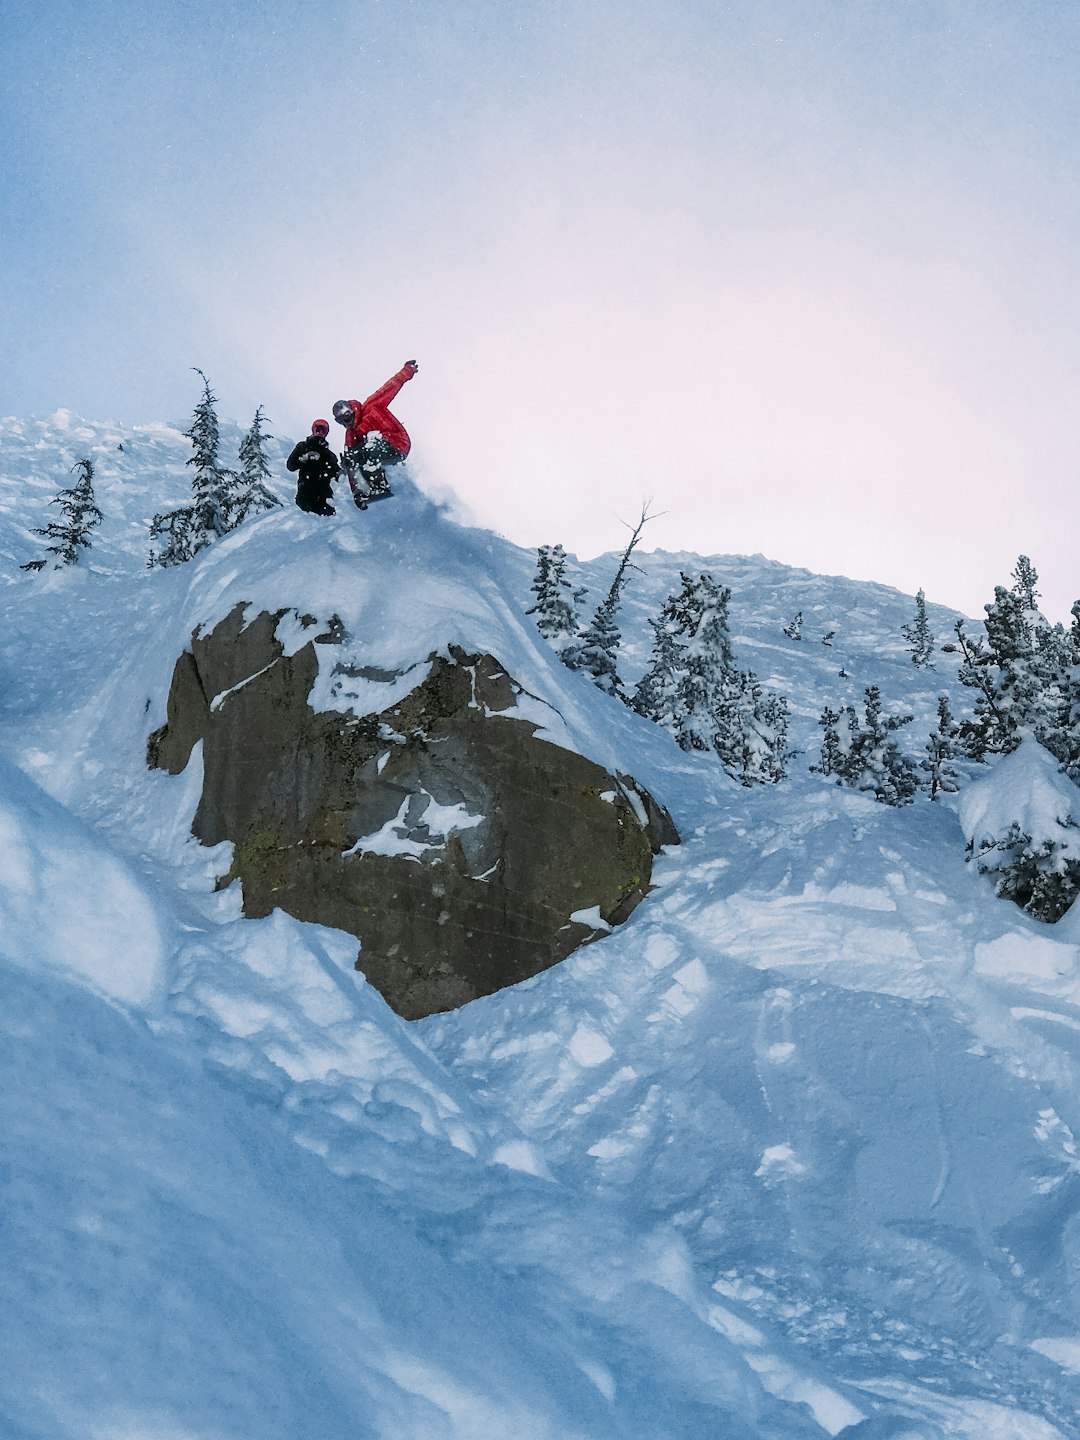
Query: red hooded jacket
[372,414]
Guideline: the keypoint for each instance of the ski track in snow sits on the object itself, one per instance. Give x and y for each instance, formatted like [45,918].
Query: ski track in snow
[792,1149]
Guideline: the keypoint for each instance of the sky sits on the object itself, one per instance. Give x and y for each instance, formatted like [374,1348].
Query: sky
[803,274]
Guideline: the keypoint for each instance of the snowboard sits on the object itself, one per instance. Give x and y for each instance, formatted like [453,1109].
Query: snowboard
[368,487]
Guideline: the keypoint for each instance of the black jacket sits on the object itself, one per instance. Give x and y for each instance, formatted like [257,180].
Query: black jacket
[314,459]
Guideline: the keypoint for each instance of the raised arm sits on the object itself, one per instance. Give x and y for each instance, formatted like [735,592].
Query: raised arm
[386,393]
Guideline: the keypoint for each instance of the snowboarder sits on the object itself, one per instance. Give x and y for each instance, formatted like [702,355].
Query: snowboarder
[318,467]
[374,439]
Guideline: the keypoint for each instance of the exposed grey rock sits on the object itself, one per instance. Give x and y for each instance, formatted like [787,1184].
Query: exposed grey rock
[454,843]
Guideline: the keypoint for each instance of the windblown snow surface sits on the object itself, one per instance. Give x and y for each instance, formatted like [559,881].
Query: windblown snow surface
[790,1154]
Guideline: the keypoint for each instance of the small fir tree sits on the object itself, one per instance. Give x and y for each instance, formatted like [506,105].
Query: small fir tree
[793,629]
[1025,582]
[657,693]
[1020,821]
[556,614]
[694,688]
[79,515]
[599,646]
[213,486]
[601,640]
[1015,672]
[181,534]
[941,749]
[864,755]
[752,737]
[1041,876]
[252,494]
[1063,738]
[833,751]
[919,636]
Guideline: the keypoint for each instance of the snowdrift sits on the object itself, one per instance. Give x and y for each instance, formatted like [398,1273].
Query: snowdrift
[792,1153]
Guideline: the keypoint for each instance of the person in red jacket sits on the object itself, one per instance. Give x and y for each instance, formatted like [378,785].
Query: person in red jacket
[374,439]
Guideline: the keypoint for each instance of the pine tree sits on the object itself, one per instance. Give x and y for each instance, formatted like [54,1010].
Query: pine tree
[1041,876]
[708,686]
[919,636]
[657,693]
[752,733]
[694,688]
[1015,671]
[1025,579]
[601,640]
[252,494]
[864,755]
[79,516]
[793,630]
[885,770]
[833,752]
[987,729]
[213,486]
[182,533]
[1063,738]
[556,615]
[941,750]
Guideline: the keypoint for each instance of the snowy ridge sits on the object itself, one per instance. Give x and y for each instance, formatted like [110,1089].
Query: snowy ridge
[793,1150]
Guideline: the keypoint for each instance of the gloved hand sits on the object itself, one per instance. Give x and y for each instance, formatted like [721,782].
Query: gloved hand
[310,457]
[411,365]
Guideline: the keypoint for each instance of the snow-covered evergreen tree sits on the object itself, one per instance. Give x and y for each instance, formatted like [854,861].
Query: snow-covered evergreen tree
[180,534]
[657,693]
[793,629]
[556,608]
[1025,582]
[1041,876]
[919,635]
[601,639]
[598,647]
[694,688]
[752,738]
[1021,823]
[941,750]
[833,749]
[79,515]
[251,493]
[864,755]
[709,681]
[213,485]
[1063,738]
[881,766]
[1014,672]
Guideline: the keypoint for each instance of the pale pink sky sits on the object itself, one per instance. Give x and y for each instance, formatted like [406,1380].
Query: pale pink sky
[806,274]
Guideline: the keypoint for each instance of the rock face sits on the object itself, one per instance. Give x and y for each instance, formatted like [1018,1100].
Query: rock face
[464,853]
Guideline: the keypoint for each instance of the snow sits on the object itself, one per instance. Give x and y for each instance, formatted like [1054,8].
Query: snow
[790,1154]
[439,821]
[1024,788]
[69,905]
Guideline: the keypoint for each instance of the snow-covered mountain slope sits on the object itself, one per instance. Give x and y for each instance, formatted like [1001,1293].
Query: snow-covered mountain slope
[792,1151]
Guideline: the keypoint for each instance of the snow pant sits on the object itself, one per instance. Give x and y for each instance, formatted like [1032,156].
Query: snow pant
[313,494]
[366,465]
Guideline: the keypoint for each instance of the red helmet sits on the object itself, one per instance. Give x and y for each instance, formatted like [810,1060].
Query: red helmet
[320,427]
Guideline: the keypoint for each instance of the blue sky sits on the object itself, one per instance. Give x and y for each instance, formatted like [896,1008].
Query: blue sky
[804,273]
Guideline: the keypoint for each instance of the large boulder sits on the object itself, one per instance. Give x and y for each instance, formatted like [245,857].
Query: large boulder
[465,852]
